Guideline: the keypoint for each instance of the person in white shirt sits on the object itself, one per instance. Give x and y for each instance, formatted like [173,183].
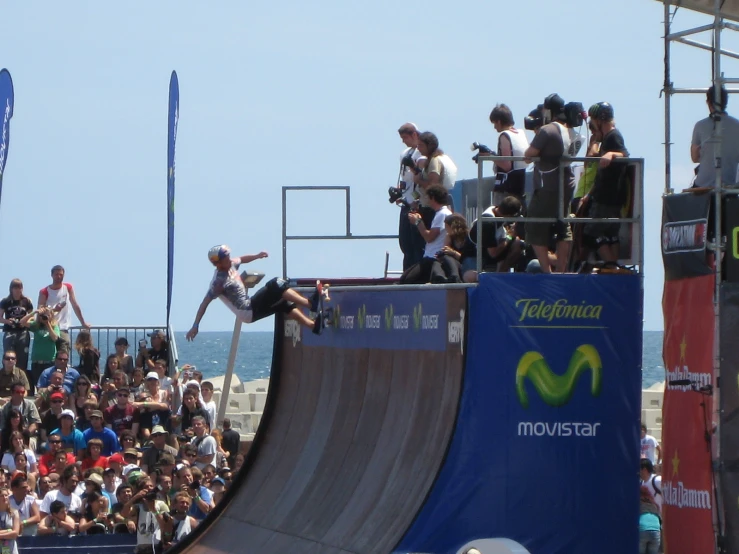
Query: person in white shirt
[510,177]
[650,447]
[65,493]
[411,243]
[434,236]
[651,481]
[206,445]
[206,393]
[59,296]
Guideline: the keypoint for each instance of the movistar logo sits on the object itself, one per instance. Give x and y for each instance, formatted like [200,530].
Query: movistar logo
[536,308]
[556,390]
[389,317]
[417,317]
[361,313]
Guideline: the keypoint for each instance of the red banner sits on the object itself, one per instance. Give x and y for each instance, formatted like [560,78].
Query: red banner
[686,457]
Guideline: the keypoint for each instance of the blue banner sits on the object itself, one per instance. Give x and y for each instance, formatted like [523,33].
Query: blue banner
[172,120]
[384,320]
[546,448]
[7,100]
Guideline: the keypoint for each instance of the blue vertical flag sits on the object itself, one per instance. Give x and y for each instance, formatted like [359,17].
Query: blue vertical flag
[6,113]
[173,118]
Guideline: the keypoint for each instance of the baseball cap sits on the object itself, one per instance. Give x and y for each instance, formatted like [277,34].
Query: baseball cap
[218,480]
[58,396]
[152,375]
[96,413]
[192,383]
[130,452]
[156,333]
[219,252]
[67,413]
[117,458]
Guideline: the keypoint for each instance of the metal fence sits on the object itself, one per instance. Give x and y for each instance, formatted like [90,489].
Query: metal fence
[104,337]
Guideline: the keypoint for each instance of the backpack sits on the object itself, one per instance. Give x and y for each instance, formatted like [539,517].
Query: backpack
[448,173]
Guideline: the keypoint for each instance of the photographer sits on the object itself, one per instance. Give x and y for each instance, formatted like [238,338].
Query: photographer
[434,235]
[405,196]
[159,351]
[202,498]
[501,247]
[510,177]
[432,174]
[152,517]
[550,144]
[42,323]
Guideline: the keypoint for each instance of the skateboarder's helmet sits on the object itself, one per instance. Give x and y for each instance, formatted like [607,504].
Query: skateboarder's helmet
[218,253]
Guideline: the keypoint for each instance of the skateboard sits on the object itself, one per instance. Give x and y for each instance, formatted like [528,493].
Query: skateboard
[324,315]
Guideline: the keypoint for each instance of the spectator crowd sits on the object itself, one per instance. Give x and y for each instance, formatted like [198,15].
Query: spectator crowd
[129,447]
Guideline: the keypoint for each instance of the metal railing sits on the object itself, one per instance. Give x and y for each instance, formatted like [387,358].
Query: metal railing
[104,337]
[347,233]
[636,221]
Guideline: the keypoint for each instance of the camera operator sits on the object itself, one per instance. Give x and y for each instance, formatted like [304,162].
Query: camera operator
[551,143]
[703,145]
[608,194]
[434,235]
[405,196]
[510,177]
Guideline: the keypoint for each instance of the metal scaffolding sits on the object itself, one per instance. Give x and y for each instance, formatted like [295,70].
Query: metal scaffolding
[724,14]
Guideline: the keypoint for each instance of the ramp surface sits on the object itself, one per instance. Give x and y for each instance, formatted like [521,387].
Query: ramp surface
[355,430]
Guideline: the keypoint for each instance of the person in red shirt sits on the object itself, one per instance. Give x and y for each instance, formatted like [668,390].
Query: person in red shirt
[93,459]
[46,462]
[122,415]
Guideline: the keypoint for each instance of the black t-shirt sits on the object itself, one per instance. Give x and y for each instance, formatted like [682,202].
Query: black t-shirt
[230,441]
[610,182]
[492,232]
[15,309]
[149,418]
[50,422]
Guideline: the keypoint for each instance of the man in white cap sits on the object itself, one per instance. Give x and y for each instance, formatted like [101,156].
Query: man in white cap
[275,296]
[72,439]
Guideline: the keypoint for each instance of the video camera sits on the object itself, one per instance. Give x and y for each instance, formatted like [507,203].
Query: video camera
[535,119]
[575,114]
[408,162]
[481,149]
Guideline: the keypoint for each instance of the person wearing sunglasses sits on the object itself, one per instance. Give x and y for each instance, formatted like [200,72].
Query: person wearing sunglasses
[123,415]
[46,462]
[11,373]
[61,362]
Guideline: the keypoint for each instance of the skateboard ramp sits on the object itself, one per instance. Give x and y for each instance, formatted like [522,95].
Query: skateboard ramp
[356,427]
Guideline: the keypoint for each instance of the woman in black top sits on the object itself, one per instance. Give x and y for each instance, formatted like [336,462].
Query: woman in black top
[16,337]
[89,365]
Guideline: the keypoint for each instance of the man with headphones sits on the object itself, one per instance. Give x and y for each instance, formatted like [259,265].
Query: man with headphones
[608,194]
[703,145]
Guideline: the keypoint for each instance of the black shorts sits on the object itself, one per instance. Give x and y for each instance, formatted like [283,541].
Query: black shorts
[268,300]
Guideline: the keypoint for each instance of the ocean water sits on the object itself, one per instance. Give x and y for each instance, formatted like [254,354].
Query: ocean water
[209,352]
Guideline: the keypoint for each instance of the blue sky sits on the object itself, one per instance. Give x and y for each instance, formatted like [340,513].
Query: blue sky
[288,93]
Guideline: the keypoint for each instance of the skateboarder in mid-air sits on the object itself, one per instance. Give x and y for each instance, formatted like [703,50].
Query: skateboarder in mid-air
[274,297]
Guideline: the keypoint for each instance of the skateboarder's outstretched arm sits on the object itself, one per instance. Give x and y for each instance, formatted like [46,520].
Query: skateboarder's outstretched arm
[192,333]
[251,257]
